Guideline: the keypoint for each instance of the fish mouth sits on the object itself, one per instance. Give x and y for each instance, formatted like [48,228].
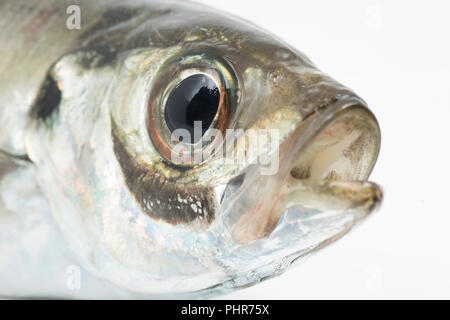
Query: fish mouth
[343,145]
[324,166]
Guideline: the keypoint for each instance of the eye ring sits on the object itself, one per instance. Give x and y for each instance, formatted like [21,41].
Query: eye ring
[216,70]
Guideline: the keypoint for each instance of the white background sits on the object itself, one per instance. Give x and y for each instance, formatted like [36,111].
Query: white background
[396,55]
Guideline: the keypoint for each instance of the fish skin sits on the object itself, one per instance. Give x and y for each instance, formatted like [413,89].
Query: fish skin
[95,170]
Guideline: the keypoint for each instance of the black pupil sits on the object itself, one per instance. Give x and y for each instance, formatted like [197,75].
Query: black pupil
[196,98]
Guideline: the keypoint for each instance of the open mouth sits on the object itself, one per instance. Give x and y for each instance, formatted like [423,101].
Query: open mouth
[324,166]
[346,149]
[332,169]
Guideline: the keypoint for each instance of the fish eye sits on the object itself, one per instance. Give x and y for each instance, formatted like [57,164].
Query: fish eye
[194,99]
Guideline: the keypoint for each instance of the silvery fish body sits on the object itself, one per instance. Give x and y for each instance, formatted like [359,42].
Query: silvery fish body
[92,203]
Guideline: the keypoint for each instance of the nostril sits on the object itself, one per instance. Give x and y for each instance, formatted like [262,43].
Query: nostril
[301,172]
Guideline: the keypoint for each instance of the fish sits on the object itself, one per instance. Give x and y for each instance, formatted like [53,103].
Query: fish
[166,149]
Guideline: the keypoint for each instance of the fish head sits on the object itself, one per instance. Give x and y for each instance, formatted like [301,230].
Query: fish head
[184,150]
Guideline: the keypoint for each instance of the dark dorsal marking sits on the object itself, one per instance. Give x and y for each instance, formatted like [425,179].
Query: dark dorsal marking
[48,99]
[163,198]
[110,34]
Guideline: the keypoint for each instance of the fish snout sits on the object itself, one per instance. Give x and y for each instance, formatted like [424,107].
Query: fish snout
[324,164]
